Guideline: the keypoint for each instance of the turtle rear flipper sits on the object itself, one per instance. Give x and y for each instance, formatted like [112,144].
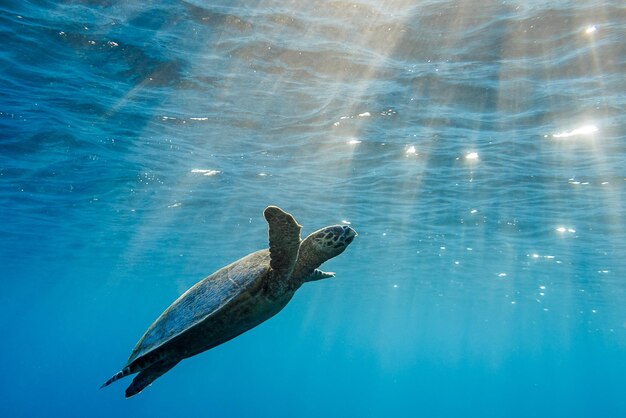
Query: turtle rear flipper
[117,376]
[147,376]
[284,237]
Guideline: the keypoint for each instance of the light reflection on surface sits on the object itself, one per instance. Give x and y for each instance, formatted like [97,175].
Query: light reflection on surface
[205,172]
[584,130]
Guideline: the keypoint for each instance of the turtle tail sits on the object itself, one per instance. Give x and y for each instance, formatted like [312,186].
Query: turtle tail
[117,376]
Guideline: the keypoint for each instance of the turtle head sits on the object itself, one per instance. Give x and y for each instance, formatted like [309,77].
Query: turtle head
[332,240]
[320,246]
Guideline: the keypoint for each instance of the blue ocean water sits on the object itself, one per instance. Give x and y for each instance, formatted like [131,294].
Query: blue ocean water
[477,147]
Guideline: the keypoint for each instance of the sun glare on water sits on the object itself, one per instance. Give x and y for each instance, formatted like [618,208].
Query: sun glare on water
[584,130]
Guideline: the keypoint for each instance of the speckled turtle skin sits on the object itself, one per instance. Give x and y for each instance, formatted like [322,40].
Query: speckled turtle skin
[235,298]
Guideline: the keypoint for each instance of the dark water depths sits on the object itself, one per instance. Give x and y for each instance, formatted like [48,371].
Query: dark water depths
[478,149]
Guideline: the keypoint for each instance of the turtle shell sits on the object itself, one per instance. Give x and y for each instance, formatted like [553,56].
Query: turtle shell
[204,299]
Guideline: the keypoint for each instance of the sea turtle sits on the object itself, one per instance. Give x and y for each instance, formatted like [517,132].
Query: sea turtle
[235,298]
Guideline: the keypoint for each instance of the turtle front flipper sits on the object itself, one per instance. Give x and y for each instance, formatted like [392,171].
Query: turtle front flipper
[284,237]
[319,275]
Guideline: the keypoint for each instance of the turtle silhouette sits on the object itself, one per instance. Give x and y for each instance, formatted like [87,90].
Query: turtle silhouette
[235,298]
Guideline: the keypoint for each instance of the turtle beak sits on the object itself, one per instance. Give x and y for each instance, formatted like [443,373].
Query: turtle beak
[348,234]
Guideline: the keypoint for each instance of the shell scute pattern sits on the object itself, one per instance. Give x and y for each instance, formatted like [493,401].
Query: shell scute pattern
[203,300]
